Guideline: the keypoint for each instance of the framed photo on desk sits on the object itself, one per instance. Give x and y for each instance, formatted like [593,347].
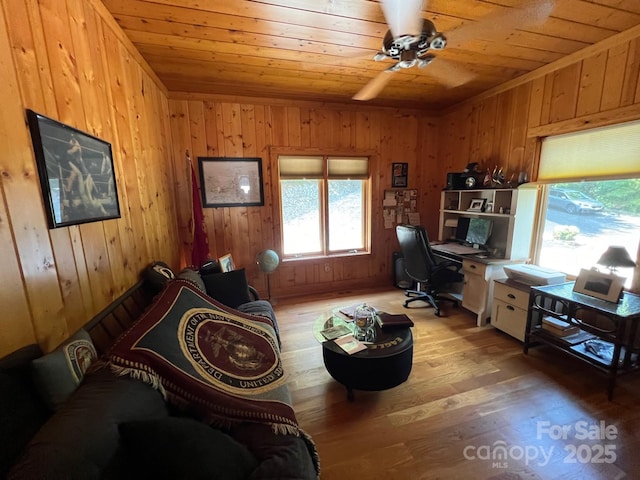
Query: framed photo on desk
[604,286]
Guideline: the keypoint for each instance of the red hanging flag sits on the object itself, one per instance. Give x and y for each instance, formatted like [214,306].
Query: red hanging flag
[200,249]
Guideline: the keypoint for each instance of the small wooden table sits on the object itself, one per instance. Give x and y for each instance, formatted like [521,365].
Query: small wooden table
[386,363]
[613,324]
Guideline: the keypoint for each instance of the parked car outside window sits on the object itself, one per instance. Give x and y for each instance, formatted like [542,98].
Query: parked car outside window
[573,201]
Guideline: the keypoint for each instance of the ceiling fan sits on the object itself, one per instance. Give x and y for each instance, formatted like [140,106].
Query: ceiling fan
[411,40]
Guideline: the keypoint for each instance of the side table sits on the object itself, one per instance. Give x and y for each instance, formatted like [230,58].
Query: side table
[613,324]
[386,363]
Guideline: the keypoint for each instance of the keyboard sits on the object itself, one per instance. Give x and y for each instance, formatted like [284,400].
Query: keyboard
[456,248]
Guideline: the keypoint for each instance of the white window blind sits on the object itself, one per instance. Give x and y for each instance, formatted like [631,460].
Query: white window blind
[313,167]
[606,152]
[301,167]
[351,167]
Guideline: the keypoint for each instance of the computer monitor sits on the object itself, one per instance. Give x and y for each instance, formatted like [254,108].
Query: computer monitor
[461,229]
[479,231]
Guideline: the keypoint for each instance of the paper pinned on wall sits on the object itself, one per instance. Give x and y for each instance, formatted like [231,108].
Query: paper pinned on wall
[414,218]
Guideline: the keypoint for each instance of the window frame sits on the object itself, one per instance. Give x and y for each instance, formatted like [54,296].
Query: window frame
[548,179]
[368,193]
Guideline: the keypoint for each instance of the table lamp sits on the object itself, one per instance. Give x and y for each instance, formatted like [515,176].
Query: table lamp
[616,256]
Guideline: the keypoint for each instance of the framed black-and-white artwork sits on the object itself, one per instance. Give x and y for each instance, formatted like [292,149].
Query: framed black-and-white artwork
[605,286]
[231,182]
[399,175]
[76,173]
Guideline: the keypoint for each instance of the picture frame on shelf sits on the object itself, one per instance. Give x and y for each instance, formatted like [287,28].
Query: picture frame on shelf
[76,173]
[604,286]
[226,263]
[231,182]
[399,175]
[477,205]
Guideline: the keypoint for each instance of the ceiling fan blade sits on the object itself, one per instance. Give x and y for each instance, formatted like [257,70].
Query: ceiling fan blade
[375,86]
[403,16]
[523,14]
[448,73]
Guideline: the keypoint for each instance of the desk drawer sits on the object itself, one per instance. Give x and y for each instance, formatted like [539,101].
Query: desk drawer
[509,319]
[474,268]
[511,295]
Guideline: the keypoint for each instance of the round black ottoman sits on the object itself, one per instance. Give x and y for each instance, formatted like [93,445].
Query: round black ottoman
[385,363]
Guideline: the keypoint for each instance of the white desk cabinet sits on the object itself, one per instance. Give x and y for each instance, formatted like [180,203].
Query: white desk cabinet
[509,310]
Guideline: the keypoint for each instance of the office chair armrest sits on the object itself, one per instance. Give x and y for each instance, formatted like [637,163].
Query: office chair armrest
[446,265]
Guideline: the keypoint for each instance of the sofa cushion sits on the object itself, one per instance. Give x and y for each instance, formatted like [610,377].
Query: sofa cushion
[230,288]
[194,277]
[57,374]
[80,439]
[183,448]
[22,411]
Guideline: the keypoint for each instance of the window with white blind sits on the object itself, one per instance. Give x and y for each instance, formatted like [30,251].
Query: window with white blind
[324,205]
[591,197]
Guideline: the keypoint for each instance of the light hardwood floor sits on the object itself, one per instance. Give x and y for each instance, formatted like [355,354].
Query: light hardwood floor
[471,391]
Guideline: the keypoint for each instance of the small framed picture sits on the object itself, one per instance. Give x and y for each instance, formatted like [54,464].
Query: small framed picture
[605,286]
[399,175]
[226,263]
[477,205]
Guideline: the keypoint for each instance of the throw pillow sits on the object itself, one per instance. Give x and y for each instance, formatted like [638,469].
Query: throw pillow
[210,266]
[230,288]
[157,275]
[183,448]
[194,277]
[57,374]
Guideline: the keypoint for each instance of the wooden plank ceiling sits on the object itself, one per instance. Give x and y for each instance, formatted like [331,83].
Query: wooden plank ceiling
[323,50]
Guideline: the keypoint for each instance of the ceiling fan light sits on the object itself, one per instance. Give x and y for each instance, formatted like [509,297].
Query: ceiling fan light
[438,42]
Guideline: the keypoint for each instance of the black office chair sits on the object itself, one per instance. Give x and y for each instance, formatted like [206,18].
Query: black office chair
[432,275]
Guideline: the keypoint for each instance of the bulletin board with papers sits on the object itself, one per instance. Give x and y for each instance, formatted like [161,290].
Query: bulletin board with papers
[400,206]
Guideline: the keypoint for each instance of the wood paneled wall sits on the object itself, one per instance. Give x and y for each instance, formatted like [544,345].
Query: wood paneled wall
[70,61]
[597,87]
[224,126]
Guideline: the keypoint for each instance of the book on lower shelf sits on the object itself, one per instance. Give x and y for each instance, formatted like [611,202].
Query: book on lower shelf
[559,327]
[349,344]
[574,339]
[390,320]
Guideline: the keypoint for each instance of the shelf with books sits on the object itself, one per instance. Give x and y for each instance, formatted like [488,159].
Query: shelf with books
[612,344]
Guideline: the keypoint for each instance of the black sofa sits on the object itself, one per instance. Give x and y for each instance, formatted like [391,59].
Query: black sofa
[118,426]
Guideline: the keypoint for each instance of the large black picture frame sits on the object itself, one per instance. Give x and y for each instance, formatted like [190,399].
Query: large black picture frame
[231,182]
[76,173]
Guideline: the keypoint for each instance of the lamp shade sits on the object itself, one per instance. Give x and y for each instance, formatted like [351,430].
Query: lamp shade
[267,260]
[616,256]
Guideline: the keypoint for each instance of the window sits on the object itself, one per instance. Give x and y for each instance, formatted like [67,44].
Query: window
[324,205]
[591,198]
[582,219]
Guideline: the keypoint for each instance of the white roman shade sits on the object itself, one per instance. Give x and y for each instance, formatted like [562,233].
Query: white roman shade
[348,167]
[600,153]
[313,167]
[301,167]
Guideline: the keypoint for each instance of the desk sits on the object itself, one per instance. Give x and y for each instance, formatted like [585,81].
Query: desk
[611,324]
[479,272]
